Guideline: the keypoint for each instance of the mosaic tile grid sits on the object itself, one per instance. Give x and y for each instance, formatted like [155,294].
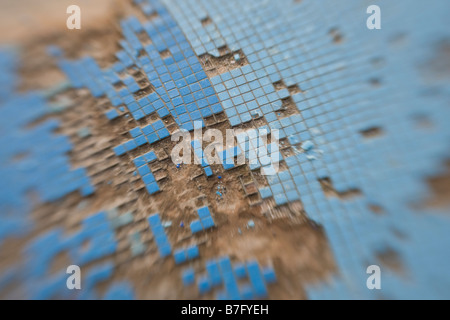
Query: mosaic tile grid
[336,103]
[335,100]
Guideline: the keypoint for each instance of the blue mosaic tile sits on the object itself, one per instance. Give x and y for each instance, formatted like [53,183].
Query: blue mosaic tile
[222,271]
[160,236]
[205,222]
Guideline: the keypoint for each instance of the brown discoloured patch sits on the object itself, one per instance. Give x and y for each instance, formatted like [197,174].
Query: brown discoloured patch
[438,67]
[214,66]
[390,259]
[330,191]
[336,36]
[440,190]
[372,132]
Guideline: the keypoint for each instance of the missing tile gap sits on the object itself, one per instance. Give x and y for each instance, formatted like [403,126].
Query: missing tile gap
[371,132]
[330,191]
[206,21]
